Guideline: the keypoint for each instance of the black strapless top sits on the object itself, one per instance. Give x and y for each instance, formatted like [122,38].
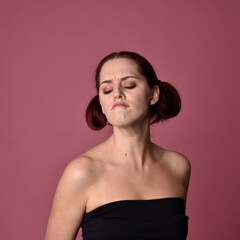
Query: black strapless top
[154,219]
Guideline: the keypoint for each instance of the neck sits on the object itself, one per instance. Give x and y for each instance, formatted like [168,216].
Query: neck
[132,145]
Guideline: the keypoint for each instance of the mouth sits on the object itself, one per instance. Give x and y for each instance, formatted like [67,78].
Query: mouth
[119,104]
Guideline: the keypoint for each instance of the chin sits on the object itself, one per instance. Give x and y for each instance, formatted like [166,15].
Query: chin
[119,123]
[125,120]
[125,123]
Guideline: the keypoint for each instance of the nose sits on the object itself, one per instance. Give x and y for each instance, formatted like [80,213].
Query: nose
[118,93]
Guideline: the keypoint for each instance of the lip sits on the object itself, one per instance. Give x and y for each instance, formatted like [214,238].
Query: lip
[119,104]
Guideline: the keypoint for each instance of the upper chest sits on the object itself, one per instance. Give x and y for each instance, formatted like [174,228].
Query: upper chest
[116,182]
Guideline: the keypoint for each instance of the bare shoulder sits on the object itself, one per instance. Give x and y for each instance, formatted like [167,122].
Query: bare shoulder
[179,165]
[79,168]
[77,178]
[80,173]
[178,161]
[174,160]
[86,168]
[70,199]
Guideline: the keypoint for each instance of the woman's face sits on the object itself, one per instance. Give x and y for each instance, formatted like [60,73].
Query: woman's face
[124,94]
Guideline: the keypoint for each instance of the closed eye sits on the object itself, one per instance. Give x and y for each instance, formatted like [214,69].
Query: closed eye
[126,87]
[130,87]
[107,92]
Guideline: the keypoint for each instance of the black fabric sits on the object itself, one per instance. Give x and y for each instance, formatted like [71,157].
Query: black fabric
[154,219]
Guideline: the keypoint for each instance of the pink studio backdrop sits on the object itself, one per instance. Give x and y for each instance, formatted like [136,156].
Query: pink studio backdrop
[48,54]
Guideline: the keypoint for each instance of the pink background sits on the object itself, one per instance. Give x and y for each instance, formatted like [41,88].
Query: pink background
[48,54]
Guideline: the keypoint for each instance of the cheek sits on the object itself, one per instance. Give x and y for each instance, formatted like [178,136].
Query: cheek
[102,104]
[105,105]
[142,99]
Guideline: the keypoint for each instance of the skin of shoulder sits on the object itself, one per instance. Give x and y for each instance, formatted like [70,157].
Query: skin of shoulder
[180,166]
[70,199]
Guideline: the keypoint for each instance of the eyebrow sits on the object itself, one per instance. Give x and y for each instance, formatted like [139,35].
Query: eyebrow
[122,79]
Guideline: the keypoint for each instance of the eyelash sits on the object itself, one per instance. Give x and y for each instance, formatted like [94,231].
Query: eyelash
[107,92]
[128,87]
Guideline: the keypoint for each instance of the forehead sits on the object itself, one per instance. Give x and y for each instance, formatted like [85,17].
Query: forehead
[119,66]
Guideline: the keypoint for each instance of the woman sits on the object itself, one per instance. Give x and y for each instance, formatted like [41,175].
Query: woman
[126,187]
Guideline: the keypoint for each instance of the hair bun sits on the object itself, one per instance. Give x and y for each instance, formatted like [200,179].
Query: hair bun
[95,118]
[169,102]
